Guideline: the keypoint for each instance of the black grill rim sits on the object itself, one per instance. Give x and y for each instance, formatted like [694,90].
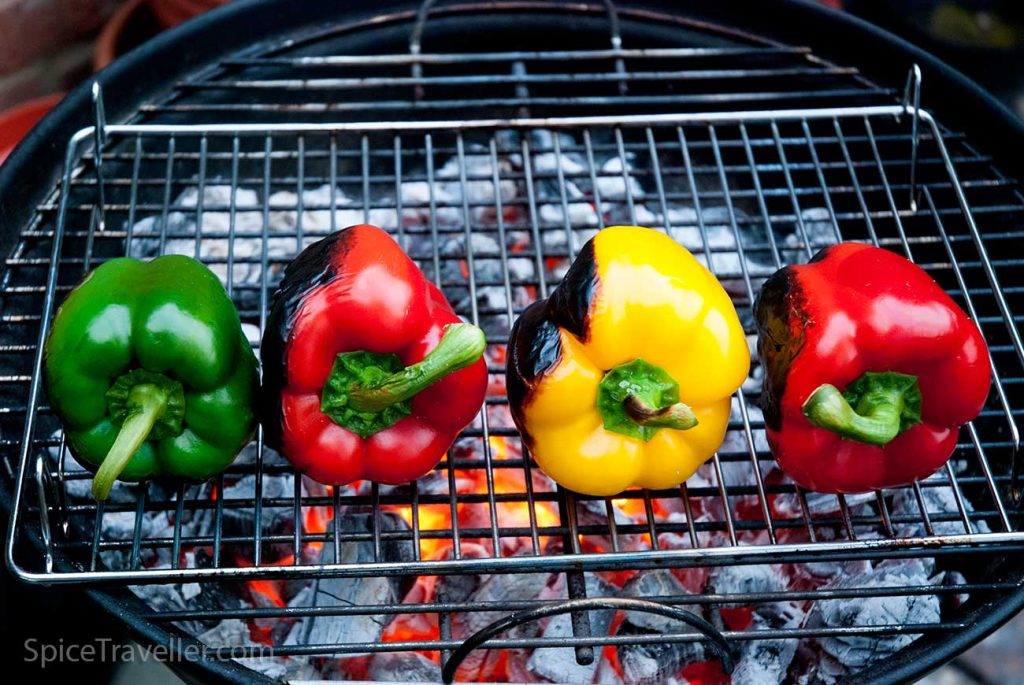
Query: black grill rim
[33,168]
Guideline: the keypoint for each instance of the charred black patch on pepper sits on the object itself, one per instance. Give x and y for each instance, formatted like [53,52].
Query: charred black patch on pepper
[822,254]
[777,343]
[534,348]
[570,302]
[313,268]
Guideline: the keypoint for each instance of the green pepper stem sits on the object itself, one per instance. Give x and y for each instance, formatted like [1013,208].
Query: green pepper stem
[461,345]
[146,404]
[677,416]
[638,399]
[875,408]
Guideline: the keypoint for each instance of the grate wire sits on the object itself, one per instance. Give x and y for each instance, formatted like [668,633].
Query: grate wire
[749,182]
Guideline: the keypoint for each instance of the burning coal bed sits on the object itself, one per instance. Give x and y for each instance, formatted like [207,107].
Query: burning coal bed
[681,657]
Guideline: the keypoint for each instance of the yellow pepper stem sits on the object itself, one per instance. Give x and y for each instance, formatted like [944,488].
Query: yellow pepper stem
[677,416]
[638,399]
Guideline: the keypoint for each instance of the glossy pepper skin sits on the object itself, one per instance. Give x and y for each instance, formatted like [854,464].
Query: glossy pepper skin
[912,366]
[357,383]
[623,376]
[148,369]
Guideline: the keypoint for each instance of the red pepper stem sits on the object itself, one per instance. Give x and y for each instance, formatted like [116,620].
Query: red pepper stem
[146,405]
[875,408]
[460,346]
[677,416]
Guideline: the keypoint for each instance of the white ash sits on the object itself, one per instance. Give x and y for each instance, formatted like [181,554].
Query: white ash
[611,184]
[231,632]
[304,597]
[732,580]
[547,164]
[499,416]
[247,248]
[416,200]
[606,673]
[820,669]
[821,504]
[820,230]
[718,237]
[479,170]
[275,486]
[495,588]
[754,383]
[403,667]
[555,240]
[954,579]
[558,664]
[656,662]
[316,213]
[734,452]
[735,444]
[595,511]
[858,651]
[248,454]
[654,585]
[576,209]
[459,588]
[162,598]
[234,633]
[765,661]
[120,525]
[521,269]
[543,139]
[939,499]
[824,571]
[446,194]
[252,334]
[364,591]
[682,539]
[481,244]
[590,512]
[652,663]
[283,669]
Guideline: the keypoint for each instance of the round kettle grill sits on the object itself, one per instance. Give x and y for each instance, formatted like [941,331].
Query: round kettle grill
[492,139]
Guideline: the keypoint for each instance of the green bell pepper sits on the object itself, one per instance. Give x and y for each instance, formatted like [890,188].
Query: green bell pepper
[149,371]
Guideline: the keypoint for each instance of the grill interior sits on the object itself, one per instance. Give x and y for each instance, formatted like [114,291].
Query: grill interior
[493,212]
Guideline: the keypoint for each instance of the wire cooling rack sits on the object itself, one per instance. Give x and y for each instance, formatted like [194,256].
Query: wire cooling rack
[493,210]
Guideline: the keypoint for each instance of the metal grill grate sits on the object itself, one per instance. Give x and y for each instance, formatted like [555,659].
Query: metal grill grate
[493,211]
[746,192]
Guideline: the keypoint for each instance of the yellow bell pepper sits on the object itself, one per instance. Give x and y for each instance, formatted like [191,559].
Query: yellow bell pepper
[623,376]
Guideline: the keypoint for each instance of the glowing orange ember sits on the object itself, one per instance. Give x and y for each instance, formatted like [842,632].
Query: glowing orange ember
[265,593]
[432,517]
[315,522]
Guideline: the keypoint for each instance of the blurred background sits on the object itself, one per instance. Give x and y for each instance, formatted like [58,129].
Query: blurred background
[49,46]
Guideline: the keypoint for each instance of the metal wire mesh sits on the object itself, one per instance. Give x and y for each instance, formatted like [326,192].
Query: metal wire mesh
[492,213]
[493,227]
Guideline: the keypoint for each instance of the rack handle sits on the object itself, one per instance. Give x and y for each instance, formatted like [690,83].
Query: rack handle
[718,642]
[912,103]
[416,37]
[45,489]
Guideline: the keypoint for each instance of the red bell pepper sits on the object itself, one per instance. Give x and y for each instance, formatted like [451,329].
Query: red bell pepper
[368,373]
[870,370]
